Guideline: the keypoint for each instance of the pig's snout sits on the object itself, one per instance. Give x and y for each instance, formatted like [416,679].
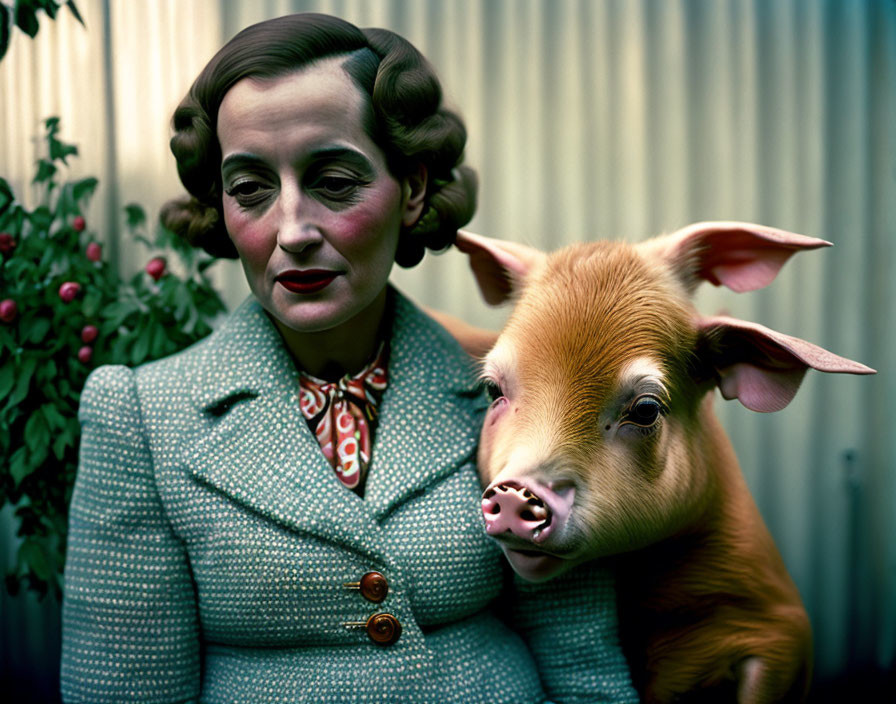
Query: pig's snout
[531,514]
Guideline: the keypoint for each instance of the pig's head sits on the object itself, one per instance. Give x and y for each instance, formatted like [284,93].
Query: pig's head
[597,439]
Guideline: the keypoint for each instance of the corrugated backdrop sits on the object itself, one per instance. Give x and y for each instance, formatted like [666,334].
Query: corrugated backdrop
[587,119]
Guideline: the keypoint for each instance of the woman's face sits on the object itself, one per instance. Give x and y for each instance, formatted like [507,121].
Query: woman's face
[308,201]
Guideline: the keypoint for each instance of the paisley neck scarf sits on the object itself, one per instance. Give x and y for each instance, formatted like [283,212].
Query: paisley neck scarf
[343,414]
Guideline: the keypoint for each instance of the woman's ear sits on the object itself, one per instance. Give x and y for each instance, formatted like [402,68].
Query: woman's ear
[414,193]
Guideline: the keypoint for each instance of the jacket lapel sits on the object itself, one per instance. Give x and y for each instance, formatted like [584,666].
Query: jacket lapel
[430,414]
[259,450]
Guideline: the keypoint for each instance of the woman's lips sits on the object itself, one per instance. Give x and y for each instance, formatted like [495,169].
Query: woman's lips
[306,281]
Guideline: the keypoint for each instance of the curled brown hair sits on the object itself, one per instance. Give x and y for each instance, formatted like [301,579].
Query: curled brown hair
[406,119]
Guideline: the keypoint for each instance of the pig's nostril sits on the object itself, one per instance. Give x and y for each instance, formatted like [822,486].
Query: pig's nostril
[535,510]
[513,508]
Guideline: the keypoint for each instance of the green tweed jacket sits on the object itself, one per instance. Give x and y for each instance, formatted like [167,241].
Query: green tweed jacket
[210,543]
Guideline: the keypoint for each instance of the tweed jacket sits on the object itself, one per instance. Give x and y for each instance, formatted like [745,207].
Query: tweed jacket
[211,542]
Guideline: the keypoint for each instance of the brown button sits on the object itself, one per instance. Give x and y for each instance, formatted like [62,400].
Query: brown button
[373,587]
[383,629]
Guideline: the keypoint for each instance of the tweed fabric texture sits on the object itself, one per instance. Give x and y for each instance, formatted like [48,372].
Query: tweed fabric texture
[210,542]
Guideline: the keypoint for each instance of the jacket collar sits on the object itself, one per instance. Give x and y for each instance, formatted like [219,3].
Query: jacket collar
[260,452]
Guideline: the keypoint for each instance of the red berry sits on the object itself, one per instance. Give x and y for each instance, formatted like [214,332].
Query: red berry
[94,252]
[7,242]
[89,333]
[8,310]
[79,224]
[85,353]
[156,268]
[69,290]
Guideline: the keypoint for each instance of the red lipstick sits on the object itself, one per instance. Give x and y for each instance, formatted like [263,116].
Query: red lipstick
[307,280]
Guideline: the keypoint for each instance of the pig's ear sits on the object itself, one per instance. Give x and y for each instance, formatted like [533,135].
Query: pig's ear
[739,255]
[500,267]
[759,367]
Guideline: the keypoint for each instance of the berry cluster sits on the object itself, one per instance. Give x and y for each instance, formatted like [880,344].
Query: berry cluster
[64,309]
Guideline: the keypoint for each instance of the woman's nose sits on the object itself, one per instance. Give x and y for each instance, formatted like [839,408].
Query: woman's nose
[298,228]
[297,237]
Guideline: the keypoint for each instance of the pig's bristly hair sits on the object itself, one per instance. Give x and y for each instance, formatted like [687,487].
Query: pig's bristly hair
[591,310]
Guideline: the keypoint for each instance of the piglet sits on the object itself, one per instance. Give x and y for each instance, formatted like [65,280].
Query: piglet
[601,441]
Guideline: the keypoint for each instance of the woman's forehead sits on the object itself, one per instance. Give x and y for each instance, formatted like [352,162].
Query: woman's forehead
[317,102]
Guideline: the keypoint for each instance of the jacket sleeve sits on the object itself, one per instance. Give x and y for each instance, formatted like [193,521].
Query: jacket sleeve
[571,626]
[129,617]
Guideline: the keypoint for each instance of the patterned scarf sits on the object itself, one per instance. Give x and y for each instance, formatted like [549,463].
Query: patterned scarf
[343,414]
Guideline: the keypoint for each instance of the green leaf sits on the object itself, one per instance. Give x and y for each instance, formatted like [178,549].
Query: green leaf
[141,347]
[135,215]
[55,420]
[34,555]
[40,453]
[169,290]
[84,188]
[7,197]
[7,379]
[45,171]
[116,313]
[60,445]
[71,6]
[38,330]
[159,344]
[41,218]
[36,432]
[192,321]
[61,151]
[52,125]
[143,240]
[5,29]
[93,299]
[25,372]
[51,7]
[26,18]
[18,465]
[7,341]
[65,203]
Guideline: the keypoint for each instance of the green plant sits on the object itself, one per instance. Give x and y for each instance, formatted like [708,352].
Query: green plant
[24,16]
[64,311]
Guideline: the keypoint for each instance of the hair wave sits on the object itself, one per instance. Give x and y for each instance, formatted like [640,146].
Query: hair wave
[407,120]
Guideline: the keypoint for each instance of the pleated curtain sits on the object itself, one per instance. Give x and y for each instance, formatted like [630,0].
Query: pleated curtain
[587,119]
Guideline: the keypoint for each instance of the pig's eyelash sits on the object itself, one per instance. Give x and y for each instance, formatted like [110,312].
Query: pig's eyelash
[644,413]
[492,388]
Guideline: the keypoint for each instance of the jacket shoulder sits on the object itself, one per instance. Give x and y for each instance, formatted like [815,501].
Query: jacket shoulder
[418,335]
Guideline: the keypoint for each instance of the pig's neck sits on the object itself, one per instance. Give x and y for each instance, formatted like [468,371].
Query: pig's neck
[724,553]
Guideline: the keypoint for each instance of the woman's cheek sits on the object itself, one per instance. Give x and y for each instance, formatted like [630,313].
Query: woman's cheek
[253,244]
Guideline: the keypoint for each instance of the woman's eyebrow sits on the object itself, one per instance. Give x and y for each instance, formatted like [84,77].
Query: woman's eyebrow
[233,161]
[340,153]
[324,153]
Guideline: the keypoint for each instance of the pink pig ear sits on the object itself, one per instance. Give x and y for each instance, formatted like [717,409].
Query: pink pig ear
[500,267]
[762,368]
[739,255]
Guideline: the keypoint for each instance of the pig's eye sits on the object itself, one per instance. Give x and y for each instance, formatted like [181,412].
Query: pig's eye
[644,411]
[493,390]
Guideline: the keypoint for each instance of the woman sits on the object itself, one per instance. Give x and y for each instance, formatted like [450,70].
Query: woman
[289,510]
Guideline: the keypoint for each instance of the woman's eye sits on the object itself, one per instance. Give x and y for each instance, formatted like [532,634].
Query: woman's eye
[644,411]
[247,193]
[336,187]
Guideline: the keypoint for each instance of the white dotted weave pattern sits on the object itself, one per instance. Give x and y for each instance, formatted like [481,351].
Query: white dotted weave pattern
[210,542]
